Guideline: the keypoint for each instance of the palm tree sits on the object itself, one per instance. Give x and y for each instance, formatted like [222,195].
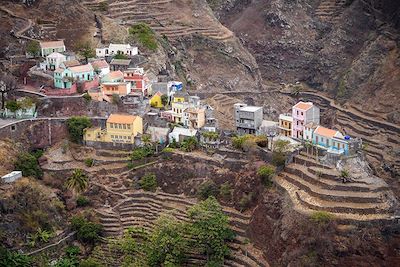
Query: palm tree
[78,181]
[146,139]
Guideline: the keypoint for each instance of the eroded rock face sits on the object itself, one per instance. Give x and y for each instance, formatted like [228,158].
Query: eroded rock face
[352,56]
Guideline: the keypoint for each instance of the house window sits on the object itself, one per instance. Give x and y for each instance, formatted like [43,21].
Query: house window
[124,126]
[13,128]
[119,125]
[120,137]
[129,126]
[129,138]
[302,114]
[112,136]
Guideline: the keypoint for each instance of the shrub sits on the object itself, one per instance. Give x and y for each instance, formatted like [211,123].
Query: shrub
[225,190]
[145,35]
[82,201]
[87,97]
[148,182]
[321,217]
[89,162]
[120,56]
[29,165]
[13,105]
[76,126]
[142,152]
[207,189]
[345,174]
[168,150]
[189,144]
[33,48]
[90,262]
[87,232]
[266,173]
[115,99]
[8,258]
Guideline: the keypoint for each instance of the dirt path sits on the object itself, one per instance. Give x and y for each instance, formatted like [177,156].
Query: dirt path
[20,33]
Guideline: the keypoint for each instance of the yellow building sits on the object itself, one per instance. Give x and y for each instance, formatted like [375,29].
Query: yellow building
[119,129]
[178,109]
[285,125]
[156,100]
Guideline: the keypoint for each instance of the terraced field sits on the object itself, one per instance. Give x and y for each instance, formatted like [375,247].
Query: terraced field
[329,10]
[167,17]
[315,187]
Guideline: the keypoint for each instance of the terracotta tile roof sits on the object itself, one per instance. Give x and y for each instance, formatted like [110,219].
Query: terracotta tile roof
[121,118]
[325,132]
[51,44]
[82,68]
[71,63]
[59,70]
[303,105]
[99,64]
[158,93]
[114,75]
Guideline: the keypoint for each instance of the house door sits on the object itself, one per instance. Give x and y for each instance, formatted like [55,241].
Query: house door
[316,139]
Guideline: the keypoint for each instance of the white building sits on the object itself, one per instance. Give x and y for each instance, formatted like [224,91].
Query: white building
[101,67]
[179,134]
[12,177]
[53,61]
[114,49]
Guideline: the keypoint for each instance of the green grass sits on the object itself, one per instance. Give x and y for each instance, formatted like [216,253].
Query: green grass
[321,217]
[144,35]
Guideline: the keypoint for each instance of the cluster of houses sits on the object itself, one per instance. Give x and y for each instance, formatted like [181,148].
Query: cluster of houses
[303,124]
[112,73]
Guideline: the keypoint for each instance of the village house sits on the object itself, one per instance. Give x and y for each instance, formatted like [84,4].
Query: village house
[53,61]
[138,79]
[100,67]
[113,77]
[48,47]
[120,64]
[156,100]
[194,117]
[285,125]
[69,63]
[158,134]
[65,78]
[179,134]
[116,88]
[165,88]
[303,113]
[331,140]
[116,49]
[120,128]
[248,119]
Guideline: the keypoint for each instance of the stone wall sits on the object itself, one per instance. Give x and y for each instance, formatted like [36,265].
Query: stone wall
[38,133]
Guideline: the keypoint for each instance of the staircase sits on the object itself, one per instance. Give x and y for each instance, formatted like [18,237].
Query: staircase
[330,10]
[315,187]
[141,209]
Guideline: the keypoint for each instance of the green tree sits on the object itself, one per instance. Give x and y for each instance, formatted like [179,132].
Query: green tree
[13,105]
[279,154]
[86,50]
[148,182]
[210,230]
[87,231]
[33,48]
[145,35]
[120,56]
[77,182]
[266,173]
[167,244]
[146,139]
[76,126]
[207,189]
[164,100]
[29,165]
[189,144]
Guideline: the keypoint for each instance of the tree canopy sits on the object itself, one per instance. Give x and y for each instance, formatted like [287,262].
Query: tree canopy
[75,126]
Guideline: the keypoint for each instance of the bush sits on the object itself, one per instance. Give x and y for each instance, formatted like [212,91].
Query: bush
[278,159]
[145,35]
[344,174]
[82,201]
[168,150]
[142,152]
[87,97]
[225,190]
[87,232]
[120,56]
[8,258]
[76,126]
[207,189]
[189,144]
[266,173]
[90,262]
[33,48]
[148,182]
[89,162]
[321,217]
[29,165]
[115,99]
[13,105]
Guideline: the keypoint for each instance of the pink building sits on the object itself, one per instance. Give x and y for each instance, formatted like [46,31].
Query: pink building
[303,113]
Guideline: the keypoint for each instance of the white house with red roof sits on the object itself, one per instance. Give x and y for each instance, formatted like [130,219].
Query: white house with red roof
[303,113]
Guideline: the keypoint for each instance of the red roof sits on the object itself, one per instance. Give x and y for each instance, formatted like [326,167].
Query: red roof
[99,64]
